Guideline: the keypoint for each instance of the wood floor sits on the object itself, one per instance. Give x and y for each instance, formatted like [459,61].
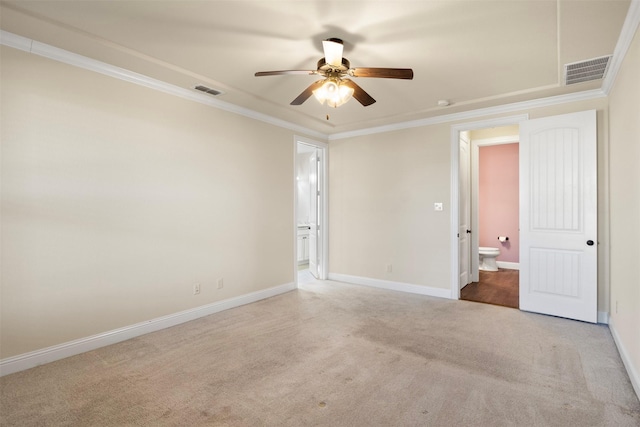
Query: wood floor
[495,287]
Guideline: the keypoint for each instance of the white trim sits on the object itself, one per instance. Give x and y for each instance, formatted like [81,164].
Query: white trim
[603,317]
[454,202]
[629,28]
[50,354]
[295,212]
[391,286]
[472,114]
[15,41]
[70,58]
[634,376]
[508,265]
[498,140]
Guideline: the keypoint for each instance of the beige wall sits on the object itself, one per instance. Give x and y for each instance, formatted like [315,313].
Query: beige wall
[624,134]
[117,199]
[382,191]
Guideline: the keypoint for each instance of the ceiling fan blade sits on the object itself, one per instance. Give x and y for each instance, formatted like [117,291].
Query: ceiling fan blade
[358,93]
[333,51]
[286,72]
[307,93]
[386,73]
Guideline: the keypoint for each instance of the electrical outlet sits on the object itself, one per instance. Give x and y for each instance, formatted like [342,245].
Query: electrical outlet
[389,268]
[196,289]
[438,206]
[220,283]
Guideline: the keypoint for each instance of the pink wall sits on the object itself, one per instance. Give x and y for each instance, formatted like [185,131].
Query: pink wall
[498,200]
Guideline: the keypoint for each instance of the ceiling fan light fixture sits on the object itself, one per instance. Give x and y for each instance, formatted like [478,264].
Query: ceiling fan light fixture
[337,88]
[334,92]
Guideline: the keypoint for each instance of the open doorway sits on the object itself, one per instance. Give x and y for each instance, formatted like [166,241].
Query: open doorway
[558,213]
[493,203]
[310,210]
[467,140]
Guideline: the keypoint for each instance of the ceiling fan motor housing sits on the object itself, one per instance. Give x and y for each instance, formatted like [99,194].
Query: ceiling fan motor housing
[328,68]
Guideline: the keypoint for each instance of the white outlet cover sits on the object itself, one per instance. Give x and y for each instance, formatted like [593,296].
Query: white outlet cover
[438,206]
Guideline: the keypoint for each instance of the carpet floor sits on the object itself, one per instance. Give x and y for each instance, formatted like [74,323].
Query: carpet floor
[332,354]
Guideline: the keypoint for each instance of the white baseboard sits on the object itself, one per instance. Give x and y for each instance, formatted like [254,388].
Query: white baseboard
[392,286]
[32,359]
[508,265]
[603,317]
[632,371]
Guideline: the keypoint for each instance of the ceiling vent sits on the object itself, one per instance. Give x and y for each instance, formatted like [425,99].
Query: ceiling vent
[208,90]
[584,71]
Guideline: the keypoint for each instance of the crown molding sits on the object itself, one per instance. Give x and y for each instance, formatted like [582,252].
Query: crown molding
[628,31]
[472,114]
[70,58]
[629,28]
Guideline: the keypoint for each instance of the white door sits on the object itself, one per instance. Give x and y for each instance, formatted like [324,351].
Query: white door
[464,228]
[558,216]
[314,216]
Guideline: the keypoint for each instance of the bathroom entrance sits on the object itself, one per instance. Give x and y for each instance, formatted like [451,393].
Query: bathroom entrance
[310,210]
[489,204]
[558,257]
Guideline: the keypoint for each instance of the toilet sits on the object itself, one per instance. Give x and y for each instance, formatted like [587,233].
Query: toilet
[488,258]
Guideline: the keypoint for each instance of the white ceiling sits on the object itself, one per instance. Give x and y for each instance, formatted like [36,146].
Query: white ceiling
[473,53]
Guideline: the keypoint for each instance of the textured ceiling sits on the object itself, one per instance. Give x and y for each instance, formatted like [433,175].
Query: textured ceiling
[473,53]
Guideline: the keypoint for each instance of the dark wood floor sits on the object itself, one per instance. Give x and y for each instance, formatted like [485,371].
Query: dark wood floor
[495,287]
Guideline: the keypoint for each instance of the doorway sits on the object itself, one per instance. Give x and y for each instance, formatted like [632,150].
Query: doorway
[493,200]
[489,205]
[558,213]
[310,200]
[464,208]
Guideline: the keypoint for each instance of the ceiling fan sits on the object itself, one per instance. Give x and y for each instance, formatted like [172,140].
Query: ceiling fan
[336,88]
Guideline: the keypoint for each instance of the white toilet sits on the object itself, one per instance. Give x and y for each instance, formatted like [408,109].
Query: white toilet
[488,258]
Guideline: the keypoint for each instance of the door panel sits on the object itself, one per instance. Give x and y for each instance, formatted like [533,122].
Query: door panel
[464,210]
[314,217]
[558,216]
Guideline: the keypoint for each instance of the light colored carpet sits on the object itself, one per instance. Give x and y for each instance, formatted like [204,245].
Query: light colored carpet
[331,354]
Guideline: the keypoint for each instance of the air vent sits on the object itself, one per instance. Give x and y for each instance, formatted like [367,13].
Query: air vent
[208,90]
[584,71]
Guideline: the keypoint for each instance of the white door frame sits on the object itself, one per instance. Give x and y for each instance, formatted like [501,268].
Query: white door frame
[455,187]
[464,222]
[323,237]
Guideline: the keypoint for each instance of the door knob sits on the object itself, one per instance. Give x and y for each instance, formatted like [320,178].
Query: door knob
[468,231]
[590,242]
